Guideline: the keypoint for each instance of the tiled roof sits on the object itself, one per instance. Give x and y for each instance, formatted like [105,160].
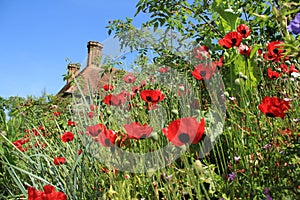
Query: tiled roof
[91,79]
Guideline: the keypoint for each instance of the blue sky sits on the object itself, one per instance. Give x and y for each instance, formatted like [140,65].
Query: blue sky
[37,36]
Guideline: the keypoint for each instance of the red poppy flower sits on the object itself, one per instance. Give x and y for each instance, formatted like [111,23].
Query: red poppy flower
[288,70]
[275,51]
[71,123]
[48,194]
[56,113]
[143,83]
[34,194]
[107,138]
[35,131]
[243,30]
[115,100]
[231,39]
[20,141]
[17,144]
[90,114]
[163,69]
[274,107]
[137,131]
[259,52]
[219,63]
[244,50]
[41,128]
[293,69]
[284,68]
[108,87]
[135,89]
[79,152]
[185,131]
[129,78]
[152,96]
[95,130]
[202,71]
[67,137]
[93,107]
[272,74]
[59,160]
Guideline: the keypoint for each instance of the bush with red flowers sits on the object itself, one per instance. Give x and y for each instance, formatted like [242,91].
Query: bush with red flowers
[274,107]
[156,131]
[49,193]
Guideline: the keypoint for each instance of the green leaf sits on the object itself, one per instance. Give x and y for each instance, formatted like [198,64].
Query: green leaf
[254,50]
[229,15]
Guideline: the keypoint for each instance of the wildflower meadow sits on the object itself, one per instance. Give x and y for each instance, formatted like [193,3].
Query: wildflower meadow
[202,103]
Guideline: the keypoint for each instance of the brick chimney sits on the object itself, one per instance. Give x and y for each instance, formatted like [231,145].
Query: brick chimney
[94,53]
[73,70]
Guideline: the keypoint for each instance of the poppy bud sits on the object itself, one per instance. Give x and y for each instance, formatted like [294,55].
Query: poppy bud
[226,94]
[154,136]
[175,112]
[109,112]
[237,81]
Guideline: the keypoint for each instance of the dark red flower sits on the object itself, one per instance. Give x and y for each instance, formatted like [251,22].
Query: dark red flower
[185,131]
[115,100]
[152,96]
[163,69]
[35,131]
[274,107]
[17,144]
[135,89]
[273,74]
[108,87]
[275,51]
[56,113]
[143,83]
[95,130]
[259,52]
[231,39]
[67,137]
[244,50]
[293,69]
[243,30]
[51,194]
[59,160]
[90,114]
[41,128]
[34,194]
[137,131]
[129,78]
[284,68]
[93,107]
[71,123]
[48,194]
[288,70]
[219,63]
[107,138]
[79,152]
[203,71]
